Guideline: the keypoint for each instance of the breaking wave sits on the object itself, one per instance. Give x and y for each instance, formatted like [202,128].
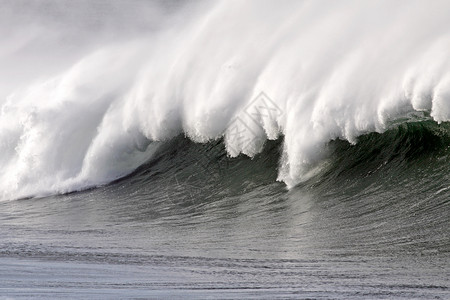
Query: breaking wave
[88,98]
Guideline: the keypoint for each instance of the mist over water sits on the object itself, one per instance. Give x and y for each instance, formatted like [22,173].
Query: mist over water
[89,90]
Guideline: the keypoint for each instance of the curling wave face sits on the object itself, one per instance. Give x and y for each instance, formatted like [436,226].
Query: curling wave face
[83,105]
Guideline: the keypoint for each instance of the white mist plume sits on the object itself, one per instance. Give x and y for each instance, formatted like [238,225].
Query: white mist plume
[88,92]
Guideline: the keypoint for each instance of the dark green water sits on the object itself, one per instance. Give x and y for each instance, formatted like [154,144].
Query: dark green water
[197,224]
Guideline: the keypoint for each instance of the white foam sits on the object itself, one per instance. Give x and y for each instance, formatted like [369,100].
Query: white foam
[98,109]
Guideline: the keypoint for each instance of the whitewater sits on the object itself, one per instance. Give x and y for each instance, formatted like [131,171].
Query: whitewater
[87,98]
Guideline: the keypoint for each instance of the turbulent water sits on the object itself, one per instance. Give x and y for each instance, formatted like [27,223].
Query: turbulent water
[225,149]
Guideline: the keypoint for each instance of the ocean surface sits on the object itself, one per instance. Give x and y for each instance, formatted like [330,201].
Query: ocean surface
[224,150]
